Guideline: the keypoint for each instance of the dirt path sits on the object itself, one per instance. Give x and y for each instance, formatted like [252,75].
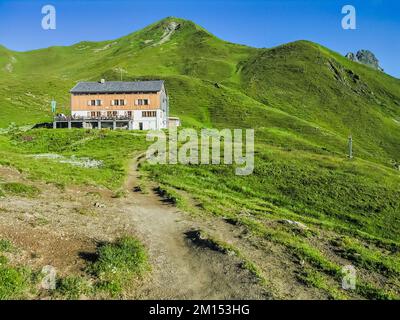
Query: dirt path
[181,270]
[61,228]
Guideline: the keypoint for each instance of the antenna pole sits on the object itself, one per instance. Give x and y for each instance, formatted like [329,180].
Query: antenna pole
[350,147]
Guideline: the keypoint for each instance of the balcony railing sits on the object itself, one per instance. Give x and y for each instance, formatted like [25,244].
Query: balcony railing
[86,118]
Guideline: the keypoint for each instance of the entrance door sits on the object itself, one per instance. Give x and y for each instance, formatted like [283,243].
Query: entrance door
[140,125]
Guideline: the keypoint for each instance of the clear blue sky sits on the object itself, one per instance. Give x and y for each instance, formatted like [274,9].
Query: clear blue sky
[259,23]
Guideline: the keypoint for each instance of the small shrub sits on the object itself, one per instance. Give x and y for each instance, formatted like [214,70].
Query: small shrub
[119,194]
[72,287]
[373,293]
[13,281]
[94,194]
[6,246]
[20,189]
[85,211]
[118,263]
[39,221]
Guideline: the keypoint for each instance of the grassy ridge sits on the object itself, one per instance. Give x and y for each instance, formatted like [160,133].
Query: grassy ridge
[317,85]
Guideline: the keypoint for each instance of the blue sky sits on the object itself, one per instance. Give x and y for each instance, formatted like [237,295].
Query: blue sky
[259,23]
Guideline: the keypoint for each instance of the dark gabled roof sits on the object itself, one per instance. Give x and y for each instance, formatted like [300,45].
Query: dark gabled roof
[118,86]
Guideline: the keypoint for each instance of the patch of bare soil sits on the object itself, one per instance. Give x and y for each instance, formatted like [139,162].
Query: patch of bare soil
[37,248]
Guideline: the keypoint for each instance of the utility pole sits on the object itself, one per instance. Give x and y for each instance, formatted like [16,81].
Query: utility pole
[350,147]
[53,104]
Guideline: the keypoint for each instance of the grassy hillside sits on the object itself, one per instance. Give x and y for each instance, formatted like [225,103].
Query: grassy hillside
[312,85]
[303,101]
[78,150]
[36,76]
[315,84]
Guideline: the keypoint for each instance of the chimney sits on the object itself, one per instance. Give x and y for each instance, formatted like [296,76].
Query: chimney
[102,81]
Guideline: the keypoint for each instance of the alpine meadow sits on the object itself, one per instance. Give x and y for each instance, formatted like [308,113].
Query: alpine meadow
[283,232]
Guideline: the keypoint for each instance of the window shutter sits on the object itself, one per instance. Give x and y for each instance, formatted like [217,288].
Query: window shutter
[125,102]
[89,103]
[112,102]
[148,101]
[136,102]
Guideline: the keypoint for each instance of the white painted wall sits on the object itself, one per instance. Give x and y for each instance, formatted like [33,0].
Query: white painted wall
[148,123]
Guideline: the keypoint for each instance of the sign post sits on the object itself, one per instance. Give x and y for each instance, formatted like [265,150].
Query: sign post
[53,106]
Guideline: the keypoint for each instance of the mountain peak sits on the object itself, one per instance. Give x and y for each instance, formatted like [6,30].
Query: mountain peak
[170,22]
[365,57]
[168,28]
[172,19]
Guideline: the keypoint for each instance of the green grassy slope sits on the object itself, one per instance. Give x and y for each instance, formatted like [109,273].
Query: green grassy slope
[315,84]
[113,149]
[302,99]
[304,80]
[37,76]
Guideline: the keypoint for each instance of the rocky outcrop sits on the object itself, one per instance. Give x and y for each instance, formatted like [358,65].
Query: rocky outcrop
[351,56]
[168,32]
[365,57]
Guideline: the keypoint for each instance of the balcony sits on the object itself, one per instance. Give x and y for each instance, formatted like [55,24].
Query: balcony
[64,118]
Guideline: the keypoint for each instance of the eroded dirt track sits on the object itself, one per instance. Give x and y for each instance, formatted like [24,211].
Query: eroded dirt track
[180,268]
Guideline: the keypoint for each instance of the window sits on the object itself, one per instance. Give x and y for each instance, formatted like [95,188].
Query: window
[142,102]
[149,114]
[118,102]
[129,114]
[94,102]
